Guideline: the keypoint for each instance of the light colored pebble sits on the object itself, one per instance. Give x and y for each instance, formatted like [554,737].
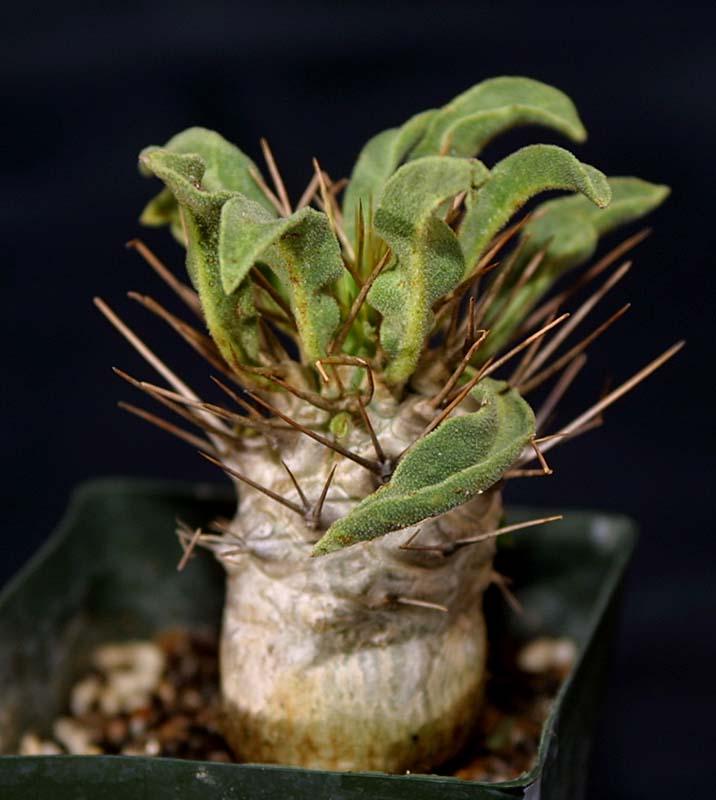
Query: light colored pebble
[138,656]
[543,654]
[130,689]
[152,747]
[133,671]
[85,695]
[75,738]
[32,745]
[109,701]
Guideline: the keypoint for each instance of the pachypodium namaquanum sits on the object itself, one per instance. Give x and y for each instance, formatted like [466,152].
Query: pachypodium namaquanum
[373,345]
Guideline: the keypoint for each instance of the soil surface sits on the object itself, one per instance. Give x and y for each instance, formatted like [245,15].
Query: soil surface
[161,698]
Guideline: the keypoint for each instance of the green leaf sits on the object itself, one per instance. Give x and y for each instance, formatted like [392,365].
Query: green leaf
[377,161]
[429,261]
[461,128]
[514,181]
[303,252]
[226,168]
[230,317]
[568,229]
[465,125]
[570,226]
[448,467]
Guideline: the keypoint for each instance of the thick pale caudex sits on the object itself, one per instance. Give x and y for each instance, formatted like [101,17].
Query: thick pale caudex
[363,347]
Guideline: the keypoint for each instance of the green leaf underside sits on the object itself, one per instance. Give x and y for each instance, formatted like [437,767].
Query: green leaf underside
[231,318]
[162,209]
[514,181]
[377,161]
[464,456]
[226,168]
[429,261]
[568,229]
[465,125]
[302,251]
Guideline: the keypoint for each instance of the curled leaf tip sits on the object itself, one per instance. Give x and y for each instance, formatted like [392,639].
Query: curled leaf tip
[568,230]
[471,120]
[515,180]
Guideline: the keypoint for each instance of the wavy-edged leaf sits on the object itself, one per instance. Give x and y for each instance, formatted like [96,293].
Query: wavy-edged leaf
[429,261]
[226,168]
[570,226]
[461,128]
[448,467]
[230,317]
[303,252]
[514,181]
[376,162]
[568,230]
[465,125]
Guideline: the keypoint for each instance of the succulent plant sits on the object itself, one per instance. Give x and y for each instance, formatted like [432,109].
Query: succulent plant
[370,422]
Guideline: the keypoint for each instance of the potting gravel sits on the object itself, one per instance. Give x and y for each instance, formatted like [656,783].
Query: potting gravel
[161,698]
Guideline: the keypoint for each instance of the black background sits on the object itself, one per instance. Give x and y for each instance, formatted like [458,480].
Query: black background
[84,90]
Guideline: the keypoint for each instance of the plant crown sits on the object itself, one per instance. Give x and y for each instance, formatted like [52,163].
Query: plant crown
[367,280]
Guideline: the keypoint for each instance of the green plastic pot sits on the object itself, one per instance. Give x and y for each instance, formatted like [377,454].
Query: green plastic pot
[109,572]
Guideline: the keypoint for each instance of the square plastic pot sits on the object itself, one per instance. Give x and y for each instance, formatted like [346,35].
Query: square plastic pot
[109,573]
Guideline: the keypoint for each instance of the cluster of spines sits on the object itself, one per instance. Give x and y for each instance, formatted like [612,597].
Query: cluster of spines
[467,323]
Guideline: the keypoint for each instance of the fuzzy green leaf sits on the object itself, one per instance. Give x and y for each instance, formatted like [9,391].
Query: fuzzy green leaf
[377,161]
[429,261]
[303,252]
[465,125]
[230,317]
[451,465]
[568,229]
[226,168]
[514,181]
[570,226]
